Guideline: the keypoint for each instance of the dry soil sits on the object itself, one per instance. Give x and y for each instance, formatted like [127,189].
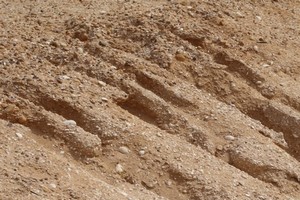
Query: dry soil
[136,99]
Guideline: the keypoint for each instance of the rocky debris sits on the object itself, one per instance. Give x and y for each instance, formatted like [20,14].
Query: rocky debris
[256,159]
[149,100]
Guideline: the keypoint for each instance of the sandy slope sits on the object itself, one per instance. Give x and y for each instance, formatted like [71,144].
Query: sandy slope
[149,99]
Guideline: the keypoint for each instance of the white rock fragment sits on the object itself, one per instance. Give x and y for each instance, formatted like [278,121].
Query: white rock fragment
[239,14]
[104,99]
[124,150]
[80,50]
[19,135]
[119,168]
[52,185]
[259,18]
[142,152]
[229,137]
[101,83]
[65,77]
[70,123]
[169,183]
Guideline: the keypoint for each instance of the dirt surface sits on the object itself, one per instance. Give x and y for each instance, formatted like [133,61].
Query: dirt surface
[122,99]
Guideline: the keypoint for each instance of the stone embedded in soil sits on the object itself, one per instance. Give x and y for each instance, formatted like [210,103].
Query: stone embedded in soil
[22,119]
[142,152]
[169,183]
[119,168]
[104,99]
[70,123]
[180,57]
[219,147]
[149,184]
[229,137]
[64,77]
[124,150]
[52,185]
[102,83]
[19,135]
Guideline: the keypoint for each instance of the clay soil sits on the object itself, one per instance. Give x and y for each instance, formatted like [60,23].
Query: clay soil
[136,99]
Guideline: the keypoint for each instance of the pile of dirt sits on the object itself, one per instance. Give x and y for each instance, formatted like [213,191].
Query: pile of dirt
[164,99]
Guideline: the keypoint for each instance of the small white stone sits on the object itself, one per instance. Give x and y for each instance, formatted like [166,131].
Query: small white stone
[258,18]
[142,152]
[169,183]
[229,137]
[52,185]
[19,135]
[119,168]
[124,150]
[113,67]
[104,99]
[255,48]
[265,65]
[239,14]
[70,123]
[65,77]
[159,135]
[101,83]
[80,50]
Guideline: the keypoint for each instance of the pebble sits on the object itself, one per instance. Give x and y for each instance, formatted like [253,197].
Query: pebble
[70,123]
[265,65]
[258,18]
[103,43]
[124,150]
[180,57]
[239,14]
[255,48]
[65,77]
[169,183]
[142,152]
[159,135]
[229,137]
[119,168]
[101,83]
[220,147]
[80,50]
[149,184]
[19,135]
[52,185]
[104,99]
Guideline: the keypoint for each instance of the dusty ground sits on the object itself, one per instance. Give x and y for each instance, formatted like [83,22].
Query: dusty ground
[178,99]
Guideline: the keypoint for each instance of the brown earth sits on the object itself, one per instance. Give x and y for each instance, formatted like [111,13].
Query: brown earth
[136,99]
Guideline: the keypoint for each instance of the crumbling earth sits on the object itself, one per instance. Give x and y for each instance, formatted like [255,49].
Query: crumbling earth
[177,99]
